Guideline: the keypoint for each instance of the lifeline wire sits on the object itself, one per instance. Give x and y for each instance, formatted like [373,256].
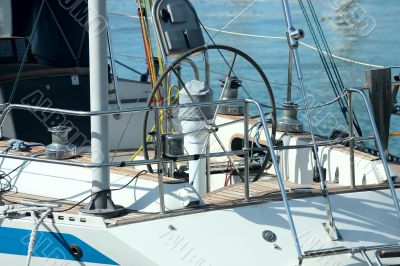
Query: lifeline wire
[268,37]
[235,18]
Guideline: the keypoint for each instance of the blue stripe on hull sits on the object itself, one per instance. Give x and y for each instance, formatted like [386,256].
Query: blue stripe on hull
[50,245]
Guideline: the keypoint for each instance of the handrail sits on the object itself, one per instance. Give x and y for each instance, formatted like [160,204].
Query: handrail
[119,163]
[344,250]
[7,108]
[377,258]
[278,175]
[379,145]
[246,102]
[280,179]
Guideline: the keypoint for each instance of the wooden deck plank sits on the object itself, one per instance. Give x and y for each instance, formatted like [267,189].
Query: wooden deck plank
[85,158]
[226,197]
[219,199]
[17,197]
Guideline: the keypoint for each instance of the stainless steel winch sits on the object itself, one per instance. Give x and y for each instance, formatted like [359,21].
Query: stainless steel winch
[60,148]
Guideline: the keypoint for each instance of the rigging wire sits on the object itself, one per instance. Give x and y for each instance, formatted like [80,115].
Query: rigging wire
[285,84]
[235,18]
[329,63]
[322,57]
[258,36]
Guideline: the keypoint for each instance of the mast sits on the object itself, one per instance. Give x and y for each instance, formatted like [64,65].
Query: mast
[101,203]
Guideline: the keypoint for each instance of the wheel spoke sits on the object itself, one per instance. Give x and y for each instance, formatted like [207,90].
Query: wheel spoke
[210,124]
[232,65]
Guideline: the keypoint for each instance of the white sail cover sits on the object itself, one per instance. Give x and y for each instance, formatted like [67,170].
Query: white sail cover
[5,18]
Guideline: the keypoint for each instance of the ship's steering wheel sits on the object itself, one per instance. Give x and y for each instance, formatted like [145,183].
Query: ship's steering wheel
[172,69]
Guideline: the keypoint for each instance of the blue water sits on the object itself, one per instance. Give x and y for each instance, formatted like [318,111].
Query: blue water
[378,44]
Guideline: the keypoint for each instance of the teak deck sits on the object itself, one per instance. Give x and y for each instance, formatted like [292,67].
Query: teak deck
[226,197]
[85,158]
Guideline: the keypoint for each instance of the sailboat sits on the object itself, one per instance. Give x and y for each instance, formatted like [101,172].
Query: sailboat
[206,175]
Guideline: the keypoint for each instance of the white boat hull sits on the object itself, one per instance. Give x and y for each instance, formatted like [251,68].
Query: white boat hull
[231,236]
